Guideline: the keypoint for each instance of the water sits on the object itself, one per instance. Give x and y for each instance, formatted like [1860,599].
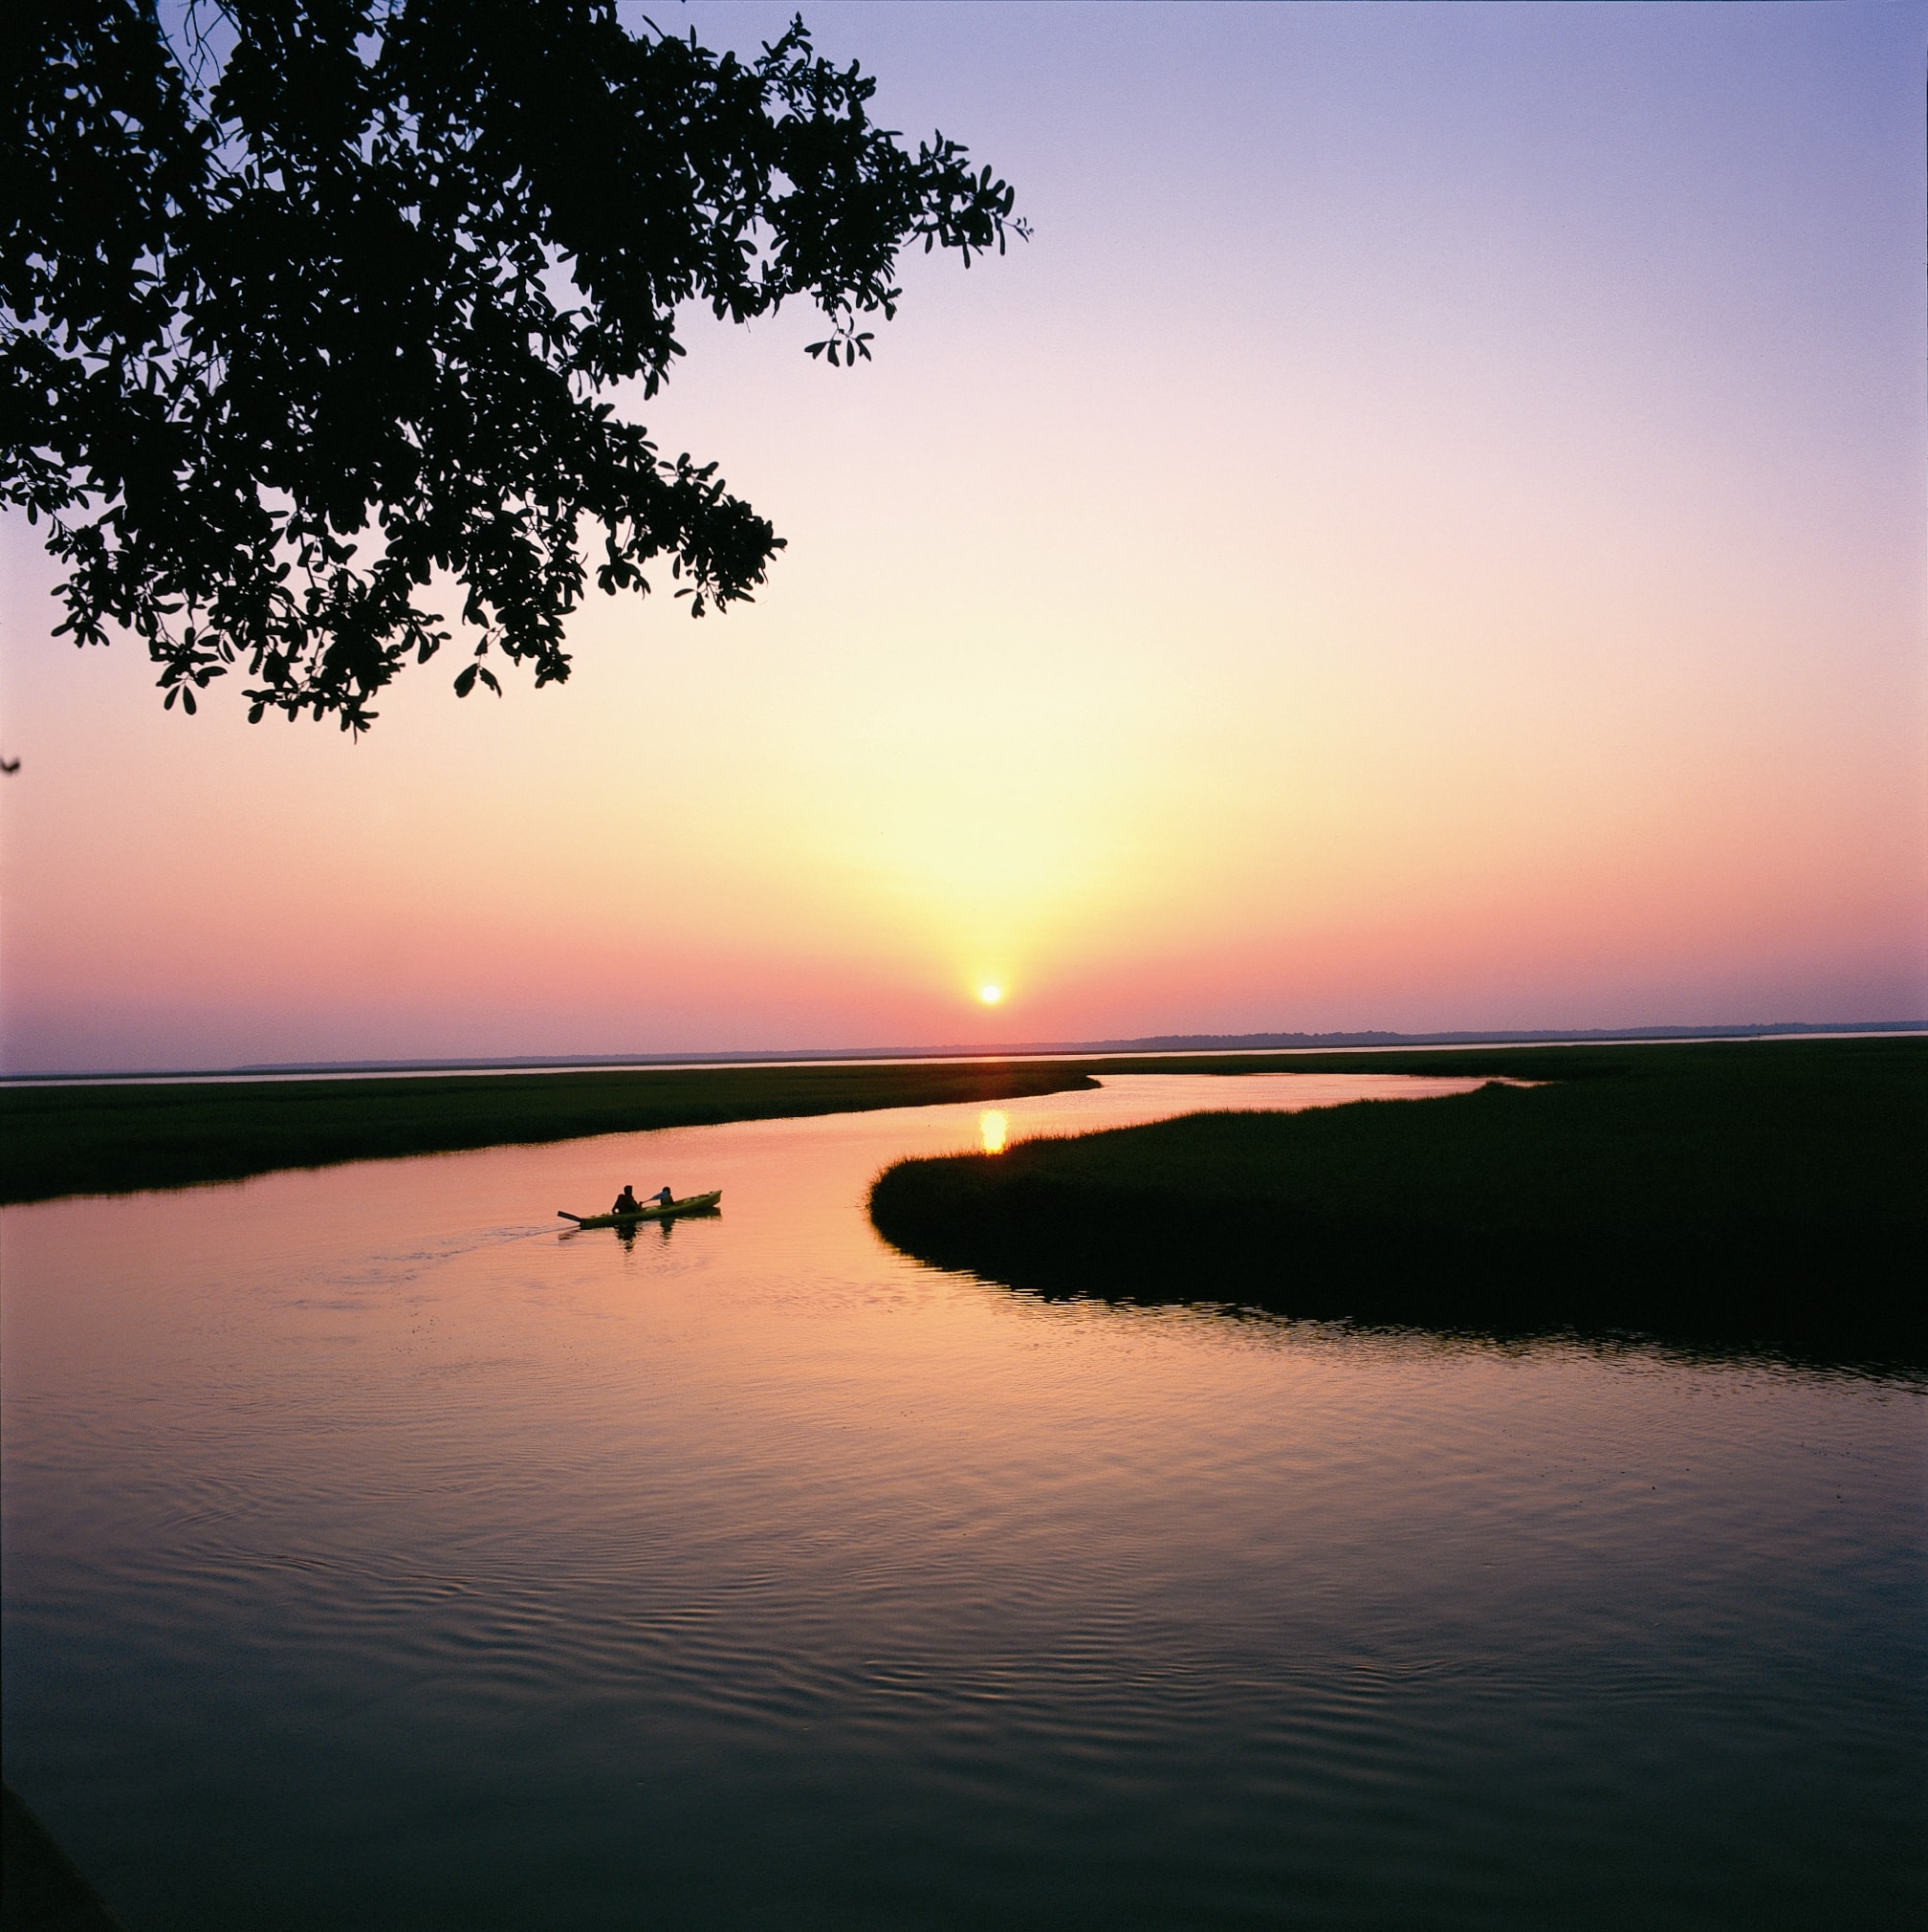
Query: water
[376,1555]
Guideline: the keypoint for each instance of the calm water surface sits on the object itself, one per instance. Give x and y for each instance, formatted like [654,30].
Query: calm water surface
[377,1556]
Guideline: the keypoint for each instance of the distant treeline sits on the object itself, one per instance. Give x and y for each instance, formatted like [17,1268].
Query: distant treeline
[1254,1043]
[1730,1194]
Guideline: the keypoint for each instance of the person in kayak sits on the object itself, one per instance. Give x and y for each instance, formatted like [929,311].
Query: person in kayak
[626,1202]
[664,1199]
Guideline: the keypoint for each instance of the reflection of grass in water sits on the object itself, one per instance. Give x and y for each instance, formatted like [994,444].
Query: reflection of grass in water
[108,1139]
[1748,1192]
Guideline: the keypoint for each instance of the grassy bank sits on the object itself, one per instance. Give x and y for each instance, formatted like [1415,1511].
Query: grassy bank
[73,1139]
[64,1141]
[1736,1194]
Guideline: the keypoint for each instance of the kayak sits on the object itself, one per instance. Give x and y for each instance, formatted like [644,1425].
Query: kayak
[690,1204]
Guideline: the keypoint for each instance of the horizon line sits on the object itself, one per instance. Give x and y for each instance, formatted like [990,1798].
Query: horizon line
[1365,1039]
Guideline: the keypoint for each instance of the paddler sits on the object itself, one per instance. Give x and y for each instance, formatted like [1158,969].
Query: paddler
[664,1199]
[626,1202]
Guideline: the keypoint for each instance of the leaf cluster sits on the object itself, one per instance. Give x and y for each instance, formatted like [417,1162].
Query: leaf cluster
[325,303]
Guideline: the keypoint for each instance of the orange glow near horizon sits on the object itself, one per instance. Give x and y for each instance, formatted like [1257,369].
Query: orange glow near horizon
[1504,613]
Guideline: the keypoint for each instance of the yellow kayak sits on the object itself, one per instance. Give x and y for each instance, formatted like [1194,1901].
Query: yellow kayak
[659,1211]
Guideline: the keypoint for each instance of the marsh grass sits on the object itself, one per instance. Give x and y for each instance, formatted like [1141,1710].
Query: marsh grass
[112,1139]
[1769,1193]
[73,1139]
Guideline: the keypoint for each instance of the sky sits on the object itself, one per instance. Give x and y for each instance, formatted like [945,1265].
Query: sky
[1428,534]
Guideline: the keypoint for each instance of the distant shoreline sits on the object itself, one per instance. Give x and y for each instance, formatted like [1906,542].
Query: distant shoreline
[96,1137]
[102,1137]
[1159,1044]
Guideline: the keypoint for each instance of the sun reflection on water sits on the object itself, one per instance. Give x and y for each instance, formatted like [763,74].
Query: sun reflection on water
[1163,1550]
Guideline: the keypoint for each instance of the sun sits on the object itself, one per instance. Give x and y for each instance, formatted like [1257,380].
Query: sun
[990,995]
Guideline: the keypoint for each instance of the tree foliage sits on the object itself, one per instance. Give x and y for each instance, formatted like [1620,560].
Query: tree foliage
[321,302]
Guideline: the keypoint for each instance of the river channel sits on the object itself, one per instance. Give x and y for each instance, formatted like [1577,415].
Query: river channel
[379,1554]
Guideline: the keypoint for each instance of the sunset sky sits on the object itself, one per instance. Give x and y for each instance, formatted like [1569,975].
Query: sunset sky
[1428,535]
